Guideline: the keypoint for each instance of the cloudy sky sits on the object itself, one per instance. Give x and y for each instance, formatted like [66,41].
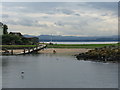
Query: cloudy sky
[62,18]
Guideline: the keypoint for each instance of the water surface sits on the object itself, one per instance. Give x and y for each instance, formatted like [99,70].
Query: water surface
[57,71]
[112,42]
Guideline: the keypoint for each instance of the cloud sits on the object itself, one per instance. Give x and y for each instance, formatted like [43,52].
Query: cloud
[65,11]
[59,23]
[74,18]
[5,15]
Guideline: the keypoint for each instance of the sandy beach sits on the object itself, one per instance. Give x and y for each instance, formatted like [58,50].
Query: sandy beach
[57,51]
[64,51]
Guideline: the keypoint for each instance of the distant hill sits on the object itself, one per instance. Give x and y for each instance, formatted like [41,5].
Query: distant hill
[74,38]
[29,36]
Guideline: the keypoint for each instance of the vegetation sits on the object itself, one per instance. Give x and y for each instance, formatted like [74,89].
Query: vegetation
[5,27]
[106,53]
[16,38]
[89,46]
[8,39]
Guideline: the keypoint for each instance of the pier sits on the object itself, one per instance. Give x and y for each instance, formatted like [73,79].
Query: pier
[24,50]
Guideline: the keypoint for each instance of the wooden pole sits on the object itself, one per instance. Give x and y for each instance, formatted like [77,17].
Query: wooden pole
[12,52]
[24,50]
[29,50]
[33,48]
[36,47]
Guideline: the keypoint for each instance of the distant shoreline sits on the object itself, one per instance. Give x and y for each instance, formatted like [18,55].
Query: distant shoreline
[59,48]
[60,42]
[80,40]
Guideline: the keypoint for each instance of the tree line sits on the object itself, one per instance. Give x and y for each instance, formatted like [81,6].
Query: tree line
[13,39]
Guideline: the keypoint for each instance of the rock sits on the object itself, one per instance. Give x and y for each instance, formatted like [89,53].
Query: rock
[111,53]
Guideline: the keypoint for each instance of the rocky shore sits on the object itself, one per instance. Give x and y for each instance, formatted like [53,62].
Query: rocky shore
[107,53]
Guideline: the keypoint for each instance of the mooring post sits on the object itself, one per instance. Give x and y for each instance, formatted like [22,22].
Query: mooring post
[36,47]
[11,51]
[29,50]
[33,48]
[24,51]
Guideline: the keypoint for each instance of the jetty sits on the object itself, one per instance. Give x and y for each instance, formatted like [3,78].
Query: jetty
[24,50]
[33,50]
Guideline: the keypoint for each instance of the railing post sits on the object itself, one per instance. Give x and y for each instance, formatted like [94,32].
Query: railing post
[33,49]
[12,52]
[36,47]
[24,51]
[29,50]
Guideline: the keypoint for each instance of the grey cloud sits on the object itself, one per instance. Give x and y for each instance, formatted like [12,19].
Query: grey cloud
[77,14]
[33,6]
[100,7]
[45,17]
[75,21]
[66,11]
[113,6]
[5,15]
[25,22]
[42,25]
[105,14]
[59,23]
[39,7]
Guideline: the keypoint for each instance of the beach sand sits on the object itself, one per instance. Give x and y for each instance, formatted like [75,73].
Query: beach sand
[57,51]
[64,51]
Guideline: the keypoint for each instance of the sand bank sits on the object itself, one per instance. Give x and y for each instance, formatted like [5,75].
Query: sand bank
[57,51]
[64,50]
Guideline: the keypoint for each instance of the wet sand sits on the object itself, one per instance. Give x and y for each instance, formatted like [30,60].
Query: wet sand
[64,51]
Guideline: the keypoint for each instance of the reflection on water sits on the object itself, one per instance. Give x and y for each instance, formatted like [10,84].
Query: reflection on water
[57,71]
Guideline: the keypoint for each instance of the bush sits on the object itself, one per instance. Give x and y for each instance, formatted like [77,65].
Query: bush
[8,39]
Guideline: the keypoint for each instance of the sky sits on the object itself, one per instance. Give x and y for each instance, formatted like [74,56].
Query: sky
[62,18]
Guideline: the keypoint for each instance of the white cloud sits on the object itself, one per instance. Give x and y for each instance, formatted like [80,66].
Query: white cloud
[61,18]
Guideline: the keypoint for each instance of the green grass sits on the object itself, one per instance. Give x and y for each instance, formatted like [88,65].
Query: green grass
[79,45]
[89,46]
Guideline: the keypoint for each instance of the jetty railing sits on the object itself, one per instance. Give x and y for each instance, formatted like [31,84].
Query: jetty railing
[25,50]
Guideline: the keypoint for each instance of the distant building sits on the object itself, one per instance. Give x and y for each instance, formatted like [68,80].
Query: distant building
[16,33]
[11,39]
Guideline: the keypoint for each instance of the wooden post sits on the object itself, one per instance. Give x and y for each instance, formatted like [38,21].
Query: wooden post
[12,52]
[29,50]
[33,48]
[36,47]
[24,51]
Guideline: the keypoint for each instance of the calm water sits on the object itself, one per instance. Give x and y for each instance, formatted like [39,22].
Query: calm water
[57,71]
[83,42]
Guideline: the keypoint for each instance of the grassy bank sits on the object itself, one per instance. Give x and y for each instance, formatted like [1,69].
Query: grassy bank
[89,46]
